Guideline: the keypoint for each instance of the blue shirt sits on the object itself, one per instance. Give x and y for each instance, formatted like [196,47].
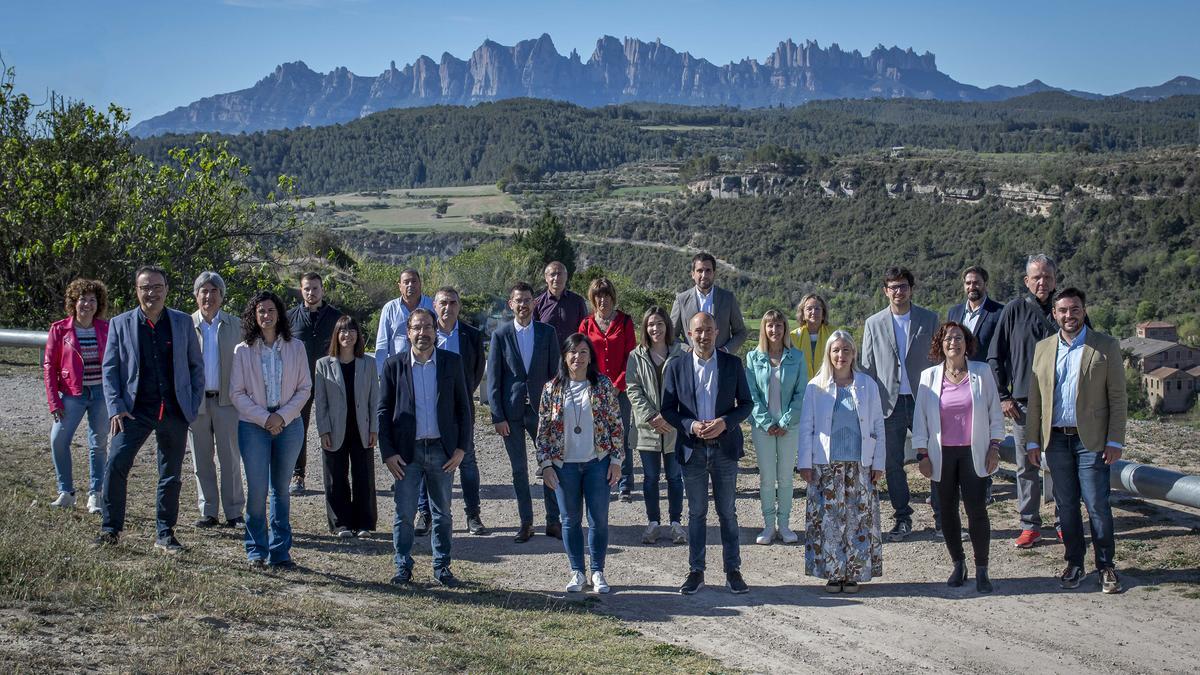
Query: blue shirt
[1066,380]
[425,396]
[392,337]
[845,435]
[448,341]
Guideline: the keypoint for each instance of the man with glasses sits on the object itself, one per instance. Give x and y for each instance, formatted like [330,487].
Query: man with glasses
[895,349]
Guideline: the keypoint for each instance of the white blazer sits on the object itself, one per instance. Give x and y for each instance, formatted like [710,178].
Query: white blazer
[816,421]
[987,422]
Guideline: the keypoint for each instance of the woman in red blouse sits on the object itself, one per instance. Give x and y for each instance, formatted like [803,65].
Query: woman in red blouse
[613,337]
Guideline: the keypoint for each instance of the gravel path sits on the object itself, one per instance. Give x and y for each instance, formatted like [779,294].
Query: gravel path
[907,621]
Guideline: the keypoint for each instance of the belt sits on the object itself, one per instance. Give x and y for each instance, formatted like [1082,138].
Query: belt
[1065,431]
[211,394]
[429,441]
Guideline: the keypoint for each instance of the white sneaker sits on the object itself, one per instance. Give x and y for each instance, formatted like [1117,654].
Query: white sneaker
[787,535]
[678,536]
[766,536]
[65,500]
[577,582]
[650,534]
[599,583]
[93,503]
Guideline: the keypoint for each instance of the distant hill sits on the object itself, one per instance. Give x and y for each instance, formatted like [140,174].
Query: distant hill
[618,71]
[1179,86]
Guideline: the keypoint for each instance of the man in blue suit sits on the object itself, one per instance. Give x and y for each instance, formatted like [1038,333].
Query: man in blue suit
[706,397]
[979,313]
[424,434]
[153,384]
[524,355]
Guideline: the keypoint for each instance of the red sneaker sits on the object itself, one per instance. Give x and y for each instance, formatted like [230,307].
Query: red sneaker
[1058,531]
[1028,538]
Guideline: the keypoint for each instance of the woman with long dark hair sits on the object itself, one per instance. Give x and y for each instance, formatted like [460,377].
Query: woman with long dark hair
[579,449]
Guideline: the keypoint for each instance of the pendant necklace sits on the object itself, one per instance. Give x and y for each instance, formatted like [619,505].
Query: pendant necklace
[575,407]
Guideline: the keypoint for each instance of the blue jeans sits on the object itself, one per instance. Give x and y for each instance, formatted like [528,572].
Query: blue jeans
[91,403]
[653,464]
[468,473]
[715,464]
[425,467]
[514,445]
[170,435]
[1080,474]
[625,483]
[895,431]
[580,484]
[268,462]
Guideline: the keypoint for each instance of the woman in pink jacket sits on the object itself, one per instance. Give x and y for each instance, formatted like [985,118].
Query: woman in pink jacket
[269,386]
[71,369]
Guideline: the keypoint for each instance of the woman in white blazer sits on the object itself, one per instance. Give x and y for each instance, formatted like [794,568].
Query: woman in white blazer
[957,427]
[841,457]
[345,397]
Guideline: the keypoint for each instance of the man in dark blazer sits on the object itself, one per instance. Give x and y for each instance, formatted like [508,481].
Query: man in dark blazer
[312,322]
[895,350]
[465,340]
[153,373]
[706,397]
[979,313]
[719,303]
[424,433]
[524,355]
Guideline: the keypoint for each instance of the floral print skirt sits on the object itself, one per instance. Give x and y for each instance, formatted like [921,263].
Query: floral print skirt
[843,539]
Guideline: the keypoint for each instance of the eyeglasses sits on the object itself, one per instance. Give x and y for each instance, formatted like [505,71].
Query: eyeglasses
[952,339]
[897,288]
[156,288]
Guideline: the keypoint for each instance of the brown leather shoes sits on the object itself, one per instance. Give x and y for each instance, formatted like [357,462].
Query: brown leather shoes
[554,530]
[524,534]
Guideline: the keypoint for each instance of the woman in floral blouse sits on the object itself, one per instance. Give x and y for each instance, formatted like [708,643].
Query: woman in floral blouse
[579,450]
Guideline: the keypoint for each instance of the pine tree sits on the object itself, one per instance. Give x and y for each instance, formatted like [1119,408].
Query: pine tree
[548,239]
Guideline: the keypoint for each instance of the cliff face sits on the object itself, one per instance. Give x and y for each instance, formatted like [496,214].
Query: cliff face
[617,72]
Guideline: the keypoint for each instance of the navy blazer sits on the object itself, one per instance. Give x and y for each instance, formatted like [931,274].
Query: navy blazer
[122,360]
[510,387]
[984,329]
[470,348]
[733,403]
[398,411]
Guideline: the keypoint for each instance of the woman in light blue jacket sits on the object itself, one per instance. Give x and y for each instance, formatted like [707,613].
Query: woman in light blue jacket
[778,375]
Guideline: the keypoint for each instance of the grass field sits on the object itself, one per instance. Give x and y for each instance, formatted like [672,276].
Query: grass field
[415,210]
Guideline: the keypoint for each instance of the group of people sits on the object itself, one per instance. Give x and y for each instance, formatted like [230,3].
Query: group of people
[586,385]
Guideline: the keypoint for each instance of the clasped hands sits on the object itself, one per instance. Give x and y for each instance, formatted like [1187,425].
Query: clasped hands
[708,430]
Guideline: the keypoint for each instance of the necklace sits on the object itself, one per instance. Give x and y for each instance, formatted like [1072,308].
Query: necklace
[955,375]
[577,409]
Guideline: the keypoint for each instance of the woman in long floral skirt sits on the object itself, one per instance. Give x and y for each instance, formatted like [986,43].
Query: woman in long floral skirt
[841,458]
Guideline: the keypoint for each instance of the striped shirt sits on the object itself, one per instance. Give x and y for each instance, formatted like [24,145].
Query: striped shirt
[89,349]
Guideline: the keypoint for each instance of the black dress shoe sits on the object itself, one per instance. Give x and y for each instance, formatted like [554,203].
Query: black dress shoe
[446,578]
[959,576]
[422,526]
[238,523]
[554,530]
[207,522]
[736,584]
[475,525]
[288,564]
[402,578]
[982,583]
[524,534]
[105,538]
[693,583]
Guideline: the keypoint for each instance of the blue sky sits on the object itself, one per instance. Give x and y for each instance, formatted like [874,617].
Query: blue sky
[153,56]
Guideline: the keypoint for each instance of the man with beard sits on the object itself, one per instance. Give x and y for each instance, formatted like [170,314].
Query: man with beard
[707,297]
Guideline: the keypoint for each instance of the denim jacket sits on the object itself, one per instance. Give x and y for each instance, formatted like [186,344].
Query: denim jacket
[793,380]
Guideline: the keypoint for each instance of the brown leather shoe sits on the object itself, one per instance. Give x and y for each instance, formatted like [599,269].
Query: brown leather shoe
[524,534]
[554,530]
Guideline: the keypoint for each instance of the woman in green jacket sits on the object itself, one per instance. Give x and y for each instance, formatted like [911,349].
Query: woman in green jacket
[777,374]
[650,434]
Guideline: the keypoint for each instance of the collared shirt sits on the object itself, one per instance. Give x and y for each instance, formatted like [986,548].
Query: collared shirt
[704,303]
[1066,380]
[272,371]
[971,316]
[525,342]
[425,396]
[212,355]
[901,326]
[393,329]
[706,386]
[448,341]
[156,364]
[564,313]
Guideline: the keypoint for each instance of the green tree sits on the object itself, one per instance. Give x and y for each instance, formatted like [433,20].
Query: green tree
[547,238]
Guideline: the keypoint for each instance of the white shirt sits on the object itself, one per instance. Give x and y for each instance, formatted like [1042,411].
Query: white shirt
[577,413]
[704,303]
[971,316]
[902,325]
[212,354]
[425,396]
[775,392]
[525,342]
[706,386]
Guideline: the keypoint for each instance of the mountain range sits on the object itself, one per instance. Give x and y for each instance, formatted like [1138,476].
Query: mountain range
[617,72]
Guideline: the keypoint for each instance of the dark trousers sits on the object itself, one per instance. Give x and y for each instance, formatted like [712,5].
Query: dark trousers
[712,464]
[302,459]
[895,430]
[959,477]
[468,472]
[653,466]
[1080,474]
[350,487]
[170,434]
[518,457]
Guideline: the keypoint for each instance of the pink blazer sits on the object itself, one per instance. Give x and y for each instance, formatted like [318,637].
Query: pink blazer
[62,366]
[249,391]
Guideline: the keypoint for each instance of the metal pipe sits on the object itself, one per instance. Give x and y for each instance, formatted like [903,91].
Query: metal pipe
[23,338]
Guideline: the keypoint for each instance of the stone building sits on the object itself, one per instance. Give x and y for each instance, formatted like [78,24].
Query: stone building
[1169,389]
[1170,370]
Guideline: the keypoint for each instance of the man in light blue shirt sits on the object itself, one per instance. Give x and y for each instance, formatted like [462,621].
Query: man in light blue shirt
[1066,379]
[392,336]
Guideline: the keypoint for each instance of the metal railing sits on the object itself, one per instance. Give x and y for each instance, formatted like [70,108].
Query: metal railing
[23,338]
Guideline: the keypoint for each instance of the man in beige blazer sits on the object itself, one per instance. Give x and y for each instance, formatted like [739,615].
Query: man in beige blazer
[1077,412]
[214,432]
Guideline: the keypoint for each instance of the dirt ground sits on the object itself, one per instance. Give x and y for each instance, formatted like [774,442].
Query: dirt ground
[908,621]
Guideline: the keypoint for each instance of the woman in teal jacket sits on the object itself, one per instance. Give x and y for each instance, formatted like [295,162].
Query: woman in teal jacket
[778,375]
